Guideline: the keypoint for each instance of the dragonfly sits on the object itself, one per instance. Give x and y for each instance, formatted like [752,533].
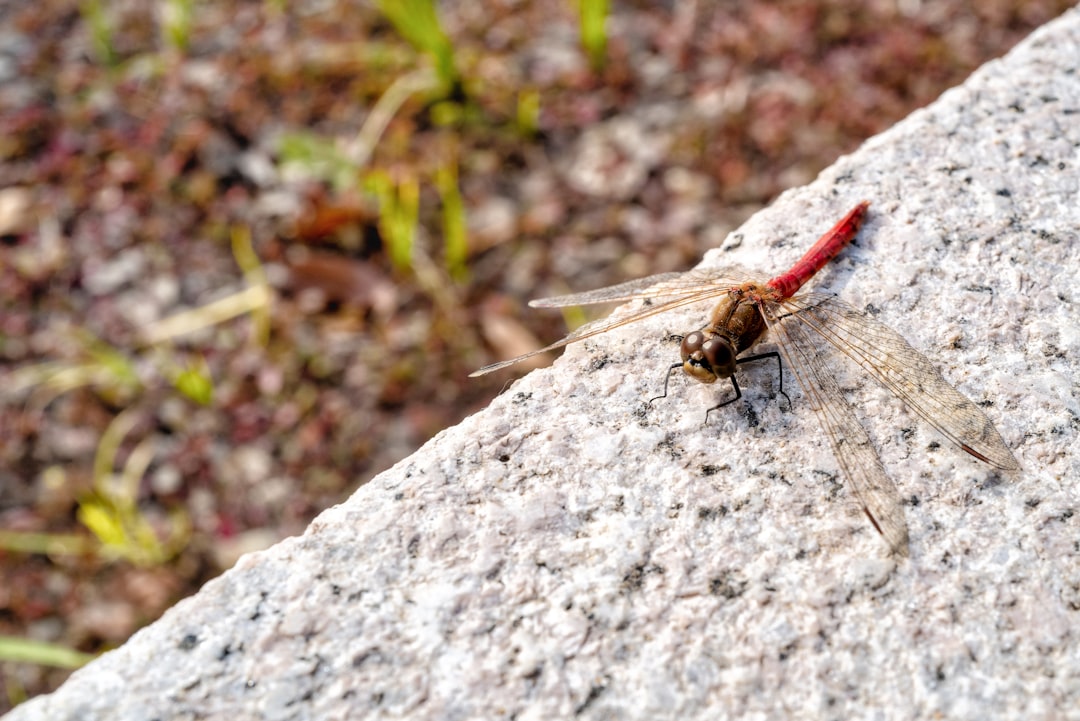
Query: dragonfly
[809,329]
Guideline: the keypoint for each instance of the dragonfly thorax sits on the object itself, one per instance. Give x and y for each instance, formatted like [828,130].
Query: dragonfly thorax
[735,325]
[707,357]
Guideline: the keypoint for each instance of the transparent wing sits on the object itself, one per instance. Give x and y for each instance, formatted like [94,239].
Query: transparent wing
[683,288]
[856,455]
[890,360]
[654,286]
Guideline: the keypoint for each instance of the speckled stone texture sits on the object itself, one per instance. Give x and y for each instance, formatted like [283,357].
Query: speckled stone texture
[572,550]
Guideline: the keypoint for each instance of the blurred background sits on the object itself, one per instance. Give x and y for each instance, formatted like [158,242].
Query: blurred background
[251,249]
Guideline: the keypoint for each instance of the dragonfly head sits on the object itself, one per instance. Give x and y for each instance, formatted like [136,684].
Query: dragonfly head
[707,358]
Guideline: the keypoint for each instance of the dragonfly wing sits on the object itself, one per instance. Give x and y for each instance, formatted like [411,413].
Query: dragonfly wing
[683,288]
[596,327]
[654,286]
[889,359]
[856,455]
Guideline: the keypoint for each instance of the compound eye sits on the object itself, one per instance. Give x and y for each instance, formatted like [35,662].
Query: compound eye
[696,362]
[691,344]
[720,356]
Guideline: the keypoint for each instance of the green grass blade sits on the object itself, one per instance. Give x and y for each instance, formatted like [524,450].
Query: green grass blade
[418,22]
[44,654]
[48,544]
[455,234]
[101,32]
[593,14]
[399,214]
[176,23]
[528,112]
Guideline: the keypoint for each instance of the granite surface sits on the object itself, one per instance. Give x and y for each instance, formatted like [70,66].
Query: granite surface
[573,550]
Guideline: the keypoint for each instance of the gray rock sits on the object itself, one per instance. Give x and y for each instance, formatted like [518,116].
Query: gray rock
[573,550]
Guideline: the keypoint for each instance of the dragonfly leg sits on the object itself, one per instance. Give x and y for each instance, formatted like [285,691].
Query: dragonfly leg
[735,383]
[779,367]
[738,395]
[667,379]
